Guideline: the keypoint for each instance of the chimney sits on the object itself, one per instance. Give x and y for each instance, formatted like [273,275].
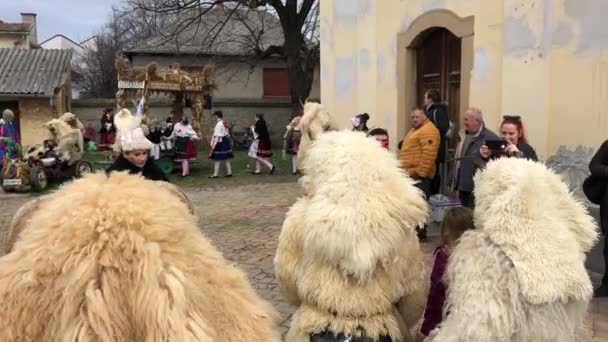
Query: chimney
[30,18]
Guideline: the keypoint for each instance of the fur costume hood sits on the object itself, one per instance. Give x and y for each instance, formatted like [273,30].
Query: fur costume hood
[315,121]
[124,120]
[116,268]
[528,211]
[520,275]
[348,254]
[373,203]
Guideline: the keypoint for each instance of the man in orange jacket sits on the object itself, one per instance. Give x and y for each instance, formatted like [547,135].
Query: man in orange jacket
[419,152]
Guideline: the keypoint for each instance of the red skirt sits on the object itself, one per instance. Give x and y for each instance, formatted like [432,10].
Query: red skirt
[191,152]
[264,149]
[185,148]
[106,138]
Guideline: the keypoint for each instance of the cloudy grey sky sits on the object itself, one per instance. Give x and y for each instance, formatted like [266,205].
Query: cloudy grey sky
[76,19]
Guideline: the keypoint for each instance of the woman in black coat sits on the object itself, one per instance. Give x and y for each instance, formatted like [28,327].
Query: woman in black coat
[512,133]
[599,168]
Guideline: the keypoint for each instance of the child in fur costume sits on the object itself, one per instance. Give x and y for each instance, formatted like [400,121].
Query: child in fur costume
[97,262]
[520,275]
[348,255]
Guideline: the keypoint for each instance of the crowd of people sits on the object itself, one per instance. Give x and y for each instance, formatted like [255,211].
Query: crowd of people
[510,265]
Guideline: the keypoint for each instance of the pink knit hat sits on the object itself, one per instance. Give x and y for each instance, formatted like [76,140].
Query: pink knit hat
[134,140]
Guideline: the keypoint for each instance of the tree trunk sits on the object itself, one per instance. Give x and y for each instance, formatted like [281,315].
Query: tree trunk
[301,63]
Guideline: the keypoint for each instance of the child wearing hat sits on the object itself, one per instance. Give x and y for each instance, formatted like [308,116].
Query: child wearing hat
[135,154]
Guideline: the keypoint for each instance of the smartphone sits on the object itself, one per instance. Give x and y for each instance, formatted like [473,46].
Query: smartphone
[496,145]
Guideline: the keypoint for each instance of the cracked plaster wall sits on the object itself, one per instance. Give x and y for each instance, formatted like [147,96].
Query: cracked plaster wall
[546,60]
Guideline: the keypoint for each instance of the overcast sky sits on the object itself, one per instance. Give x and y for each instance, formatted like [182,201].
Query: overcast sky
[76,19]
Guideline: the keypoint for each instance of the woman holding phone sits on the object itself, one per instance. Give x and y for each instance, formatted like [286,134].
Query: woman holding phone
[513,142]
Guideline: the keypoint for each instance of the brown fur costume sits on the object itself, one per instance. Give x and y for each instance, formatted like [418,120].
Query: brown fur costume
[348,255]
[100,261]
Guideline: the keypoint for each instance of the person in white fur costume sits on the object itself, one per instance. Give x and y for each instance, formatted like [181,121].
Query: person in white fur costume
[348,256]
[520,275]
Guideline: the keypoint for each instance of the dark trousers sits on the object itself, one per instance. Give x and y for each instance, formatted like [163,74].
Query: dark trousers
[435,186]
[467,199]
[425,184]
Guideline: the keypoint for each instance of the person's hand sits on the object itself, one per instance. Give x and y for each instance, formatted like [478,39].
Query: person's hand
[485,152]
[512,149]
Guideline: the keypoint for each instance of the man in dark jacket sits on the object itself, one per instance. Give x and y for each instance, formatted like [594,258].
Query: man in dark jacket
[599,168]
[437,112]
[471,138]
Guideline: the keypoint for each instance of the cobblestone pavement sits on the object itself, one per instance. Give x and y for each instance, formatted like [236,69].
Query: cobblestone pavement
[244,223]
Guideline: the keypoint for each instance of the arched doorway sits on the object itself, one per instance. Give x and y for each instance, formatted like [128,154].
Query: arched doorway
[452,35]
[438,64]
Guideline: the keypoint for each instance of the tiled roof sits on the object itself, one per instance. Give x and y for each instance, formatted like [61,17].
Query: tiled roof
[15,27]
[211,36]
[32,72]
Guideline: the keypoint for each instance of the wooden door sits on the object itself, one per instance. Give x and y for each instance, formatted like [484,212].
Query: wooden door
[438,67]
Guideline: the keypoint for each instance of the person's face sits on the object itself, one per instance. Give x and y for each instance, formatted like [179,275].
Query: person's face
[418,118]
[137,157]
[427,100]
[382,139]
[471,123]
[509,133]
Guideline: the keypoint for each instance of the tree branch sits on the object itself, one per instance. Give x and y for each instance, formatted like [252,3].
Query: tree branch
[305,11]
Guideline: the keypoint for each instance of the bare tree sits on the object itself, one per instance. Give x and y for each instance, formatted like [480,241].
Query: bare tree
[298,21]
[95,70]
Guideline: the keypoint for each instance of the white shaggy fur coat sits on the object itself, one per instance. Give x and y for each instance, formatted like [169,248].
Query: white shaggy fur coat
[120,259]
[520,276]
[348,255]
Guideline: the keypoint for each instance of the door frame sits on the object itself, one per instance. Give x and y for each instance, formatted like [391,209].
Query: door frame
[408,41]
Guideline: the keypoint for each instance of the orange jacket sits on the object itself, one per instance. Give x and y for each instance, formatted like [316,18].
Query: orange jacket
[419,150]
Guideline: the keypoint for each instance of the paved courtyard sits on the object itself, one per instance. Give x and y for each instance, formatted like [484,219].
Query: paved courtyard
[244,223]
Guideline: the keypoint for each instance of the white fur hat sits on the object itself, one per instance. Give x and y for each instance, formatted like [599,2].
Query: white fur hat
[134,140]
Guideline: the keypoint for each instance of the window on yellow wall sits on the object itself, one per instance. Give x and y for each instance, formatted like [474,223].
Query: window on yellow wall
[276,82]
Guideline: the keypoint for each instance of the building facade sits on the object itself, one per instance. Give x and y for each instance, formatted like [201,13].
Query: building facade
[19,35]
[545,60]
[35,84]
[233,42]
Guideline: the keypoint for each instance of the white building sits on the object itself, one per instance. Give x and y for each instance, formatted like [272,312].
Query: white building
[61,42]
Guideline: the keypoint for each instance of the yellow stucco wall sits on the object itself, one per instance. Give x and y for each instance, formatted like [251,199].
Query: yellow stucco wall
[34,113]
[546,60]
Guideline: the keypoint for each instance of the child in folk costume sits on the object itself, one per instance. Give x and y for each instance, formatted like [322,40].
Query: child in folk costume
[454,224]
[264,146]
[184,135]
[107,132]
[135,158]
[165,139]
[155,138]
[292,141]
[221,149]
